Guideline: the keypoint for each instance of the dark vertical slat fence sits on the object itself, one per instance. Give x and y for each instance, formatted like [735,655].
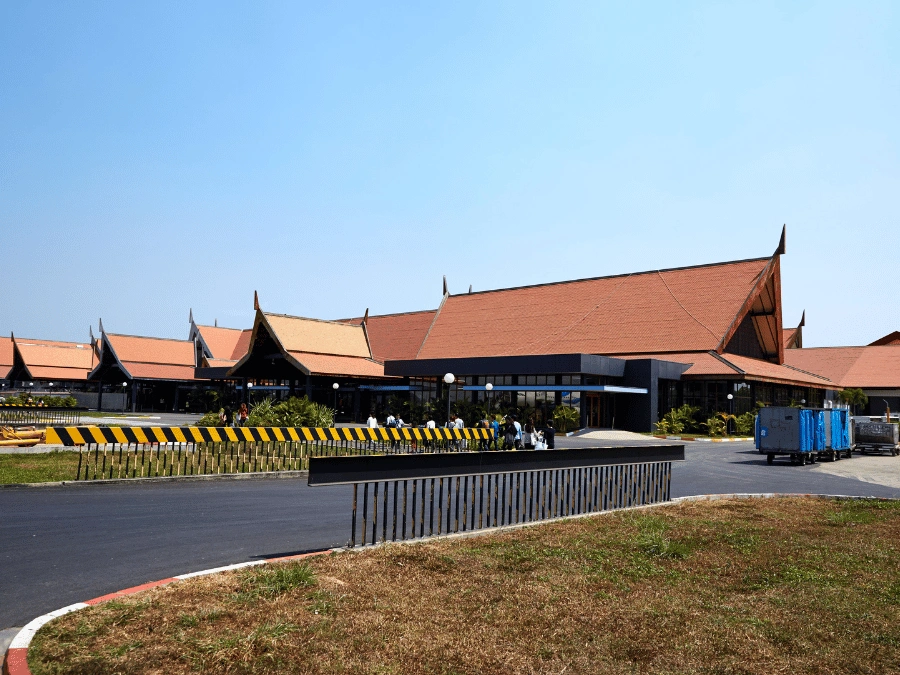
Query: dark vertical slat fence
[465,503]
[39,417]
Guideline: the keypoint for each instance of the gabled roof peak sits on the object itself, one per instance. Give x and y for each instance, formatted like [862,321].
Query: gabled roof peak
[618,276]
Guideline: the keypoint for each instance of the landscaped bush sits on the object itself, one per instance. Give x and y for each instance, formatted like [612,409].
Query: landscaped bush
[566,417]
[294,412]
[679,420]
[211,419]
[38,399]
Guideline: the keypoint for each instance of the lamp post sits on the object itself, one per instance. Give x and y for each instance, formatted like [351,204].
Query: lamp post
[124,394]
[249,387]
[489,387]
[449,378]
[335,386]
[730,398]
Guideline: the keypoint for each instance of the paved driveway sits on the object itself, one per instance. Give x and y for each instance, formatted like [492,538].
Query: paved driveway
[66,544]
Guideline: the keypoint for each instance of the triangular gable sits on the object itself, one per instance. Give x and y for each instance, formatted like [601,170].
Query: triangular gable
[311,346]
[889,339]
[756,330]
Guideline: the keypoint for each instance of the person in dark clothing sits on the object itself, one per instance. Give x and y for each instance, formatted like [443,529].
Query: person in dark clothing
[550,435]
[509,434]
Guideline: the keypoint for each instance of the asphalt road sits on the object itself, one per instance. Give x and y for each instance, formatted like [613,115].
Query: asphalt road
[60,545]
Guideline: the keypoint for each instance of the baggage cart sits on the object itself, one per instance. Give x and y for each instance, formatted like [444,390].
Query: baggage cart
[805,435]
[877,437]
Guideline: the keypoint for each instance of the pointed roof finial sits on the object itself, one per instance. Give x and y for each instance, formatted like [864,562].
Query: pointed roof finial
[445,285]
[470,288]
[91,333]
[101,327]
[803,319]
[191,315]
[781,244]
[255,301]
[366,316]
[11,336]
[215,323]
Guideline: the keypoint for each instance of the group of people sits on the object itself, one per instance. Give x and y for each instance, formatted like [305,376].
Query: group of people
[235,419]
[513,434]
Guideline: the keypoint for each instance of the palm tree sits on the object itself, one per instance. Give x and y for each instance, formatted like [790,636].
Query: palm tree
[854,398]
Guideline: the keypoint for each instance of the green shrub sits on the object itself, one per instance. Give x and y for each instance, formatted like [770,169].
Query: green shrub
[565,416]
[211,419]
[678,420]
[744,423]
[715,425]
[294,412]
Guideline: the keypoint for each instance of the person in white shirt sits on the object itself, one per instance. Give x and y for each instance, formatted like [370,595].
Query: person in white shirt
[389,422]
[518,433]
[429,425]
[372,423]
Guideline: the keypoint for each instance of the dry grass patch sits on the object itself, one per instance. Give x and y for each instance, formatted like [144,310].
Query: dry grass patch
[744,586]
[43,467]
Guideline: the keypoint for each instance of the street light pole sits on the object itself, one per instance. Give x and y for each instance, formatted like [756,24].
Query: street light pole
[728,426]
[335,386]
[489,387]
[449,378]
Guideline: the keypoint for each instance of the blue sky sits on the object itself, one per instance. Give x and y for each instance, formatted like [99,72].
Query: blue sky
[338,156]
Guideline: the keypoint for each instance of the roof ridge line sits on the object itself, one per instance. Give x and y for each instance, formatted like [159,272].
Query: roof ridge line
[434,319]
[728,363]
[309,318]
[381,316]
[800,370]
[149,337]
[615,276]
[687,311]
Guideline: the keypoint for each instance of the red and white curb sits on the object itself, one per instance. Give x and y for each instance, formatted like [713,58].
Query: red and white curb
[16,662]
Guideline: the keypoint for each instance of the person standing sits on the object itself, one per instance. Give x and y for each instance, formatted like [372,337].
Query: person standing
[529,435]
[372,423]
[243,414]
[550,435]
[495,427]
[429,443]
[518,433]
[509,434]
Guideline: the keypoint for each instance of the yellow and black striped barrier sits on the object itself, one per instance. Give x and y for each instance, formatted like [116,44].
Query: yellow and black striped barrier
[142,452]
[90,435]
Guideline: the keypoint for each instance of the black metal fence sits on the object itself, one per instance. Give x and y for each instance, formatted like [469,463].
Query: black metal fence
[38,416]
[147,452]
[408,497]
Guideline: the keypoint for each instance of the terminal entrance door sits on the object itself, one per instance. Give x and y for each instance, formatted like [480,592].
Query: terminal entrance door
[600,410]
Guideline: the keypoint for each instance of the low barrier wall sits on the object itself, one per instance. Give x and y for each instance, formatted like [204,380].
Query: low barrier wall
[413,496]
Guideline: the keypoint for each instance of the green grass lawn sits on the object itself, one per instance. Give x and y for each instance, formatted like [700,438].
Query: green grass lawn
[37,468]
[733,587]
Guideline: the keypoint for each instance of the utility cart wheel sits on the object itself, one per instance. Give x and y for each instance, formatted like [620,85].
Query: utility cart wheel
[794,459]
[813,458]
[849,453]
[802,459]
[770,458]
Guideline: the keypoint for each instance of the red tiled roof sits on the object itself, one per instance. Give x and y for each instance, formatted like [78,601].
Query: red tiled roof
[154,358]
[328,364]
[397,336]
[220,363]
[56,360]
[736,367]
[681,310]
[157,371]
[863,367]
[152,350]
[889,339]
[6,357]
[226,344]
